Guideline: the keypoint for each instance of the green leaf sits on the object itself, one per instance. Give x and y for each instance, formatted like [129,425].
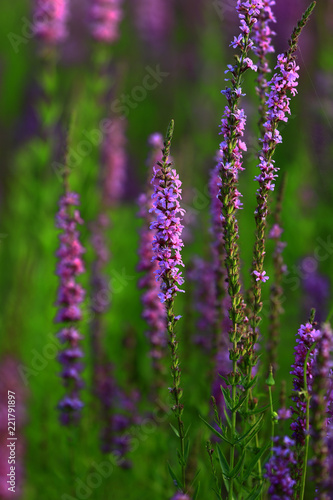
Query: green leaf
[223,462]
[227,418]
[238,466]
[254,462]
[255,493]
[240,402]
[245,438]
[258,410]
[187,431]
[227,398]
[174,477]
[251,383]
[218,434]
[187,450]
[174,430]
[195,494]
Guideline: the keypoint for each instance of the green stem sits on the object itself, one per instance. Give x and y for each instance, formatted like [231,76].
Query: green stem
[233,428]
[307,416]
[272,415]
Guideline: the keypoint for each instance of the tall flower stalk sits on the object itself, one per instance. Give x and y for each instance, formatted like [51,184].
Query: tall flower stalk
[302,370]
[320,411]
[262,37]
[231,152]
[167,245]
[283,82]
[70,296]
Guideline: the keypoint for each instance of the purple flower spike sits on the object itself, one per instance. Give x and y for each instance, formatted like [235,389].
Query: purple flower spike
[50,18]
[262,37]
[307,336]
[167,243]
[278,470]
[231,159]
[105,16]
[70,296]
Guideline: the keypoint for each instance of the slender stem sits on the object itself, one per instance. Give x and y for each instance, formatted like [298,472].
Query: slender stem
[176,390]
[272,414]
[307,417]
[233,428]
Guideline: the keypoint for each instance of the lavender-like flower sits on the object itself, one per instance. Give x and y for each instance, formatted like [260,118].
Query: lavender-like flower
[167,245]
[278,469]
[262,37]
[105,16]
[231,159]
[307,336]
[70,296]
[114,163]
[231,151]
[321,405]
[283,82]
[305,353]
[50,19]
[154,311]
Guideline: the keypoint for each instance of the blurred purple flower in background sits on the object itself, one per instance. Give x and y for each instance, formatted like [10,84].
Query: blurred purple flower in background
[104,17]
[316,289]
[50,19]
[70,296]
[114,161]
[278,470]
[153,21]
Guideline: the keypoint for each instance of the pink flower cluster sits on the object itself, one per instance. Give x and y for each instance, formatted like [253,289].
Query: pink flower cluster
[262,36]
[307,336]
[167,241]
[105,16]
[70,296]
[278,108]
[50,18]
